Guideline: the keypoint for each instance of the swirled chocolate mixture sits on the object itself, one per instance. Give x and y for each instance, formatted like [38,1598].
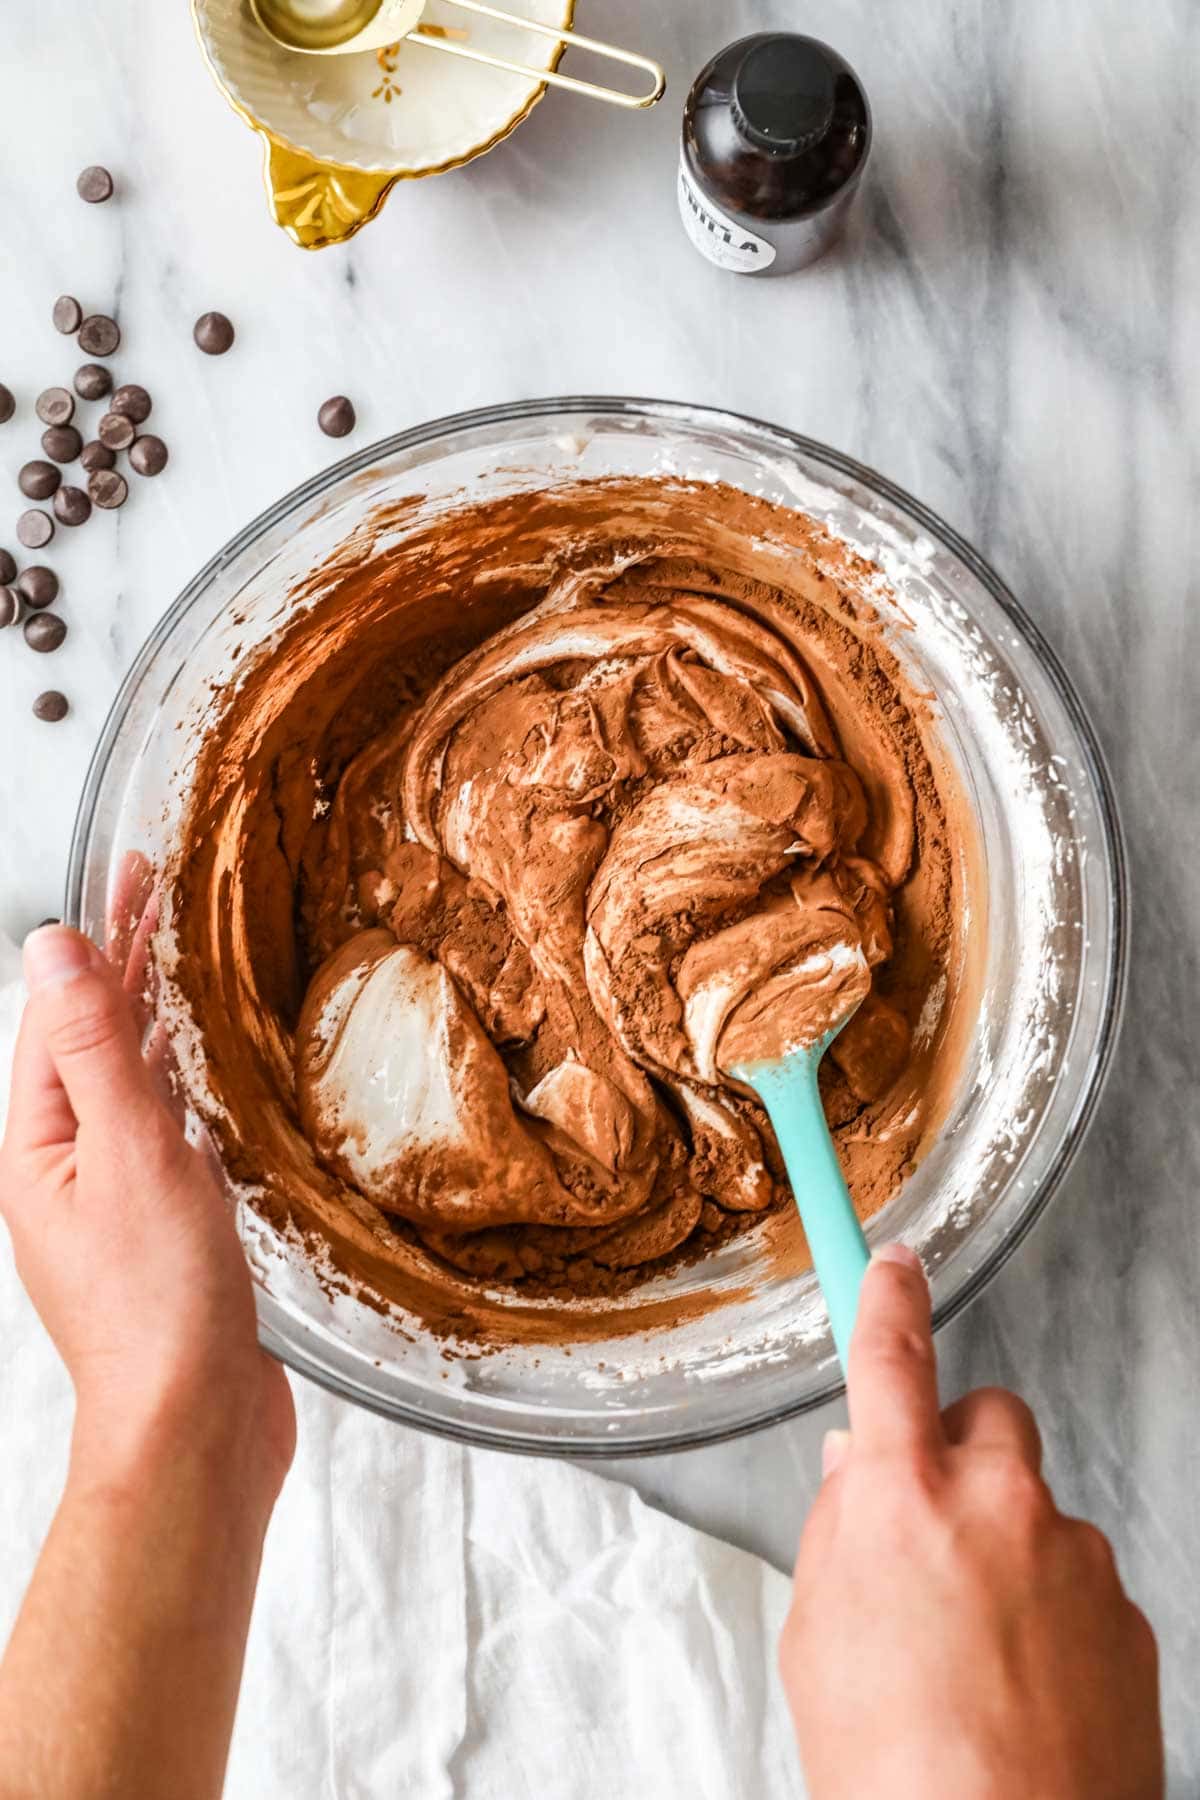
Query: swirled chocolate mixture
[533,823]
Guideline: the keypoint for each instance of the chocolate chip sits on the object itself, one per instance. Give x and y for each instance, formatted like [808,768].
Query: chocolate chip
[95,456]
[10,606]
[108,489]
[38,480]
[114,432]
[7,405]
[92,381]
[67,314]
[55,406]
[72,506]
[132,402]
[38,585]
[62,443]
[213,333]
[99,335]
[94,184]
[8,568]
[34,528]
[51,706]
[44,631]
[337,417]
[149,455]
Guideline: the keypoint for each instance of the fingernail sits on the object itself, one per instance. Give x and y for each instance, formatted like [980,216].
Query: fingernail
[898,1253]
[53,954]
[834,1449]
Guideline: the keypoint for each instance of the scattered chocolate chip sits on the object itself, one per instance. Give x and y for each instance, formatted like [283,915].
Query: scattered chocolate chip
[62,443]
[8,568]
[132,402]
[10,606]
[148,455]
[67,314]
[72,506]
[55,406]
[108,489]
[44,631]
[38,480]
[34,528]
[337,417]
[115,432]
[92,381]
[99,335]
[94,184]
[38,585]
[7,405]
[96,455]
[51,706]
[213,333]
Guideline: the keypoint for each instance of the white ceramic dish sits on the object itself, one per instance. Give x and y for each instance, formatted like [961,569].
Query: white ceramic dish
[340,131]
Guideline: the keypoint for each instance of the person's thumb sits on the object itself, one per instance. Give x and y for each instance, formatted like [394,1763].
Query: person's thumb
[891,1381]
[83,1029]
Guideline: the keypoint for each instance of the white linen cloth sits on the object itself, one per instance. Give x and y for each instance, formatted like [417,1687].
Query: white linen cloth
[437,1622]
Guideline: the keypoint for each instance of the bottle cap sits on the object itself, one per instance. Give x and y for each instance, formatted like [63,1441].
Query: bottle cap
[783,93]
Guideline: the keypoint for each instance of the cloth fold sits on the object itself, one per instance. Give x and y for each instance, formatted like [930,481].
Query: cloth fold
[442,1623]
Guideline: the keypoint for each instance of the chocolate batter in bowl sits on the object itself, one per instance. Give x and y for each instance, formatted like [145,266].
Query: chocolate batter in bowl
[491,779]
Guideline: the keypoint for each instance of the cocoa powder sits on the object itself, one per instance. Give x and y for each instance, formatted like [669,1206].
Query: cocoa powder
[299,837]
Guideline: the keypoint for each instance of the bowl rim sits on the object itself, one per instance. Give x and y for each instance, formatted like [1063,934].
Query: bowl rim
[1115,973]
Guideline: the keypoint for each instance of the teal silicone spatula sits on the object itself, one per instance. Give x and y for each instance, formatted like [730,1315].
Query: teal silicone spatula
[787,1087]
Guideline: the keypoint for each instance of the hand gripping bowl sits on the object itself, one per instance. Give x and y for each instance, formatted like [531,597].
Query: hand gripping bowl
[1051,886]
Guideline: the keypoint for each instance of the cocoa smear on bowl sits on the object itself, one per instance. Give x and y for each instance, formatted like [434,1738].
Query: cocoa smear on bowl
[260,892]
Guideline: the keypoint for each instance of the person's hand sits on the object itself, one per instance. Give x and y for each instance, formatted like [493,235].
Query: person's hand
[123,1239]
[121,1674]
[952,1635]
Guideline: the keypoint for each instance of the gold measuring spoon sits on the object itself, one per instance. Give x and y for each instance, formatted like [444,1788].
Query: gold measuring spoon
[336,27]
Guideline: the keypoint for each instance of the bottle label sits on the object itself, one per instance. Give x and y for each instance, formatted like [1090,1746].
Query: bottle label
[715,234]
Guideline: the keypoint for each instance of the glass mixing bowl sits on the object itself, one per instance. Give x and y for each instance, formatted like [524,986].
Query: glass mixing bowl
[1050,901]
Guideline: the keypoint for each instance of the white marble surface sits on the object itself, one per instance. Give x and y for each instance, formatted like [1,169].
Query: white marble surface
[1011,333]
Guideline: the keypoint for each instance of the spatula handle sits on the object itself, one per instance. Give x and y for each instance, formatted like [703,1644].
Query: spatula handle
[789,1092]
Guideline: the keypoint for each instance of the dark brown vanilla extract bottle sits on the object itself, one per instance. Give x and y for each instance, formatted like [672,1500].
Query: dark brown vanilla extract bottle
[776,132]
